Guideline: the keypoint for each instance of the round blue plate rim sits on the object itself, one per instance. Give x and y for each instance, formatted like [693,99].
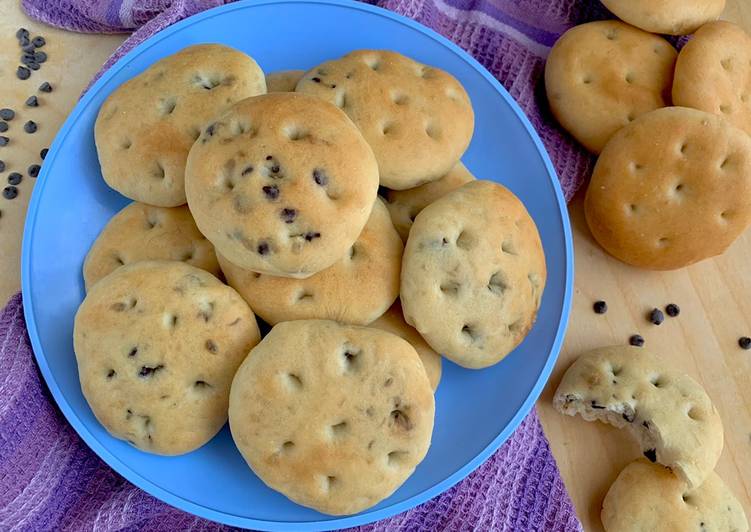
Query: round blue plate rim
[196,509]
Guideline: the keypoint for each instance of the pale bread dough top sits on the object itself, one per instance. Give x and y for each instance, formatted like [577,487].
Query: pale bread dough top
[405,205]
[668,412]
[670,189]
[356,289]
[146,127]
[144,232]
[393,321]
[283,80]
[473,274]
[282,184]
[336,417]
[157,345]
[418,119]
[673,17]
[647,497]
[713,73]
[601,75]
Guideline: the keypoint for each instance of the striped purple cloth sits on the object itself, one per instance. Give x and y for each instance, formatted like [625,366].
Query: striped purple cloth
[50,480]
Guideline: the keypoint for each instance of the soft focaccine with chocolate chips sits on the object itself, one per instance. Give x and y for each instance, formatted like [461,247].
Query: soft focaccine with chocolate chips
[335,417]
[473,274]
[669,413]
[146,127]
[282,184]
[601,75]
[418,119]
[648,497]
[356,289]
[673,17]
[393,321]
[283,80]
[713,73]
[671,189]
[144,232]
[157,344]
[405,205]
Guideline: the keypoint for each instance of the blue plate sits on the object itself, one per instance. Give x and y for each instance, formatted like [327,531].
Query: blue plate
[476,411]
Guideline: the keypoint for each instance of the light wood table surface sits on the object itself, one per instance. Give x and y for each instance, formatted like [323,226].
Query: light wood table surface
[714,296]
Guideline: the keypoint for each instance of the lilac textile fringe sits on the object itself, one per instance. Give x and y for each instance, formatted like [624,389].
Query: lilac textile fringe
[50,478]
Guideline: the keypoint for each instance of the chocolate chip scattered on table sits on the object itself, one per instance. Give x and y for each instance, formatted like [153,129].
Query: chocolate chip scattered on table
[30,127]
[45,87]
[23,73]
[43,153]
[3,127]
[4,141]
[672,310]
[33,170]
[636,340]
[14,178]
[2,166]
[744,342]
[600,307]
[32,101]
[656,316]
[7,114]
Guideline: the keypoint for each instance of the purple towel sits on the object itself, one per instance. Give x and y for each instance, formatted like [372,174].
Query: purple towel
[50,480]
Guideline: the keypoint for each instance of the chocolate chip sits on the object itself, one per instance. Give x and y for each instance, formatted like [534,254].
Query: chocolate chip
[33,65]
[310,235]
[27,58]
[4,141]
[596,406]
[23,73]
[275,169]
[399,419]
[320,177]
[673,310]
[111,373]
[288,215]
[45,87]
[133,352]
[3,127]
[211,346]
[656,316]
[38,42]
[7,114]
[263,248]
[744,342]
[636,340]
[147,371]
[271,191]
[2,166]
[600,307]
[33,170]
[14,178]
[210,130]
[40,57]
[269,157]
[43,153]
[32,101]
[27,47]
[316,79]
[651,455]
[628,417]
[247,170]
[30,127]
[10,192]
[21,33]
